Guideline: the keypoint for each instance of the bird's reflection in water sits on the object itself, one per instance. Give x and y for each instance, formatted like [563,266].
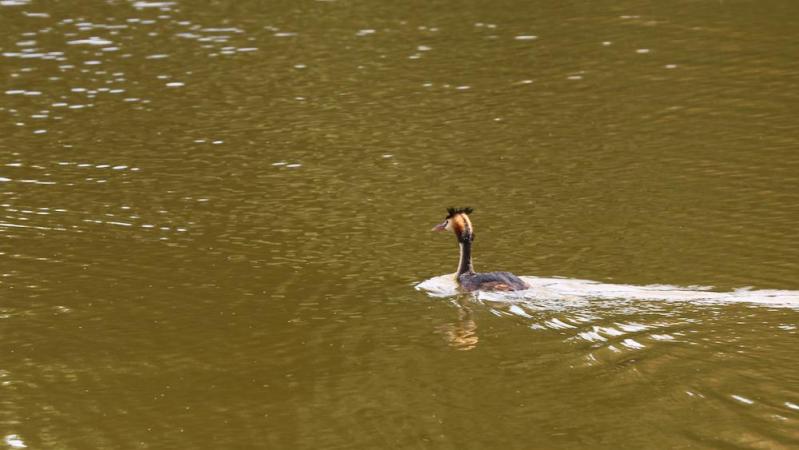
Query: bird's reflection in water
[461,334]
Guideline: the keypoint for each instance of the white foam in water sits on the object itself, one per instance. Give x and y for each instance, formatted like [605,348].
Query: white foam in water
[14,441]
[143,5]
[94,40]
[632,344]
[610,331]
[519,312]
[743,399]
[632,327]
[558,324]
[592,336]
[545,290]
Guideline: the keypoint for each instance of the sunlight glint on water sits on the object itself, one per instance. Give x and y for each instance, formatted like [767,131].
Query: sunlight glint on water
[213,217]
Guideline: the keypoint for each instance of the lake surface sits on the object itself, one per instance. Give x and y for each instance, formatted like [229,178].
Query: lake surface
[213,219]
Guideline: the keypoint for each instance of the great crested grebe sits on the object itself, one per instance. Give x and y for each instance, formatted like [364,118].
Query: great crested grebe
[458,222]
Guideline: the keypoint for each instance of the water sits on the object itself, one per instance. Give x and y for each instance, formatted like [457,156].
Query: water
[213,218]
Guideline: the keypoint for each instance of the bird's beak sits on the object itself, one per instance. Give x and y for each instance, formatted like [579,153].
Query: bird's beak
[440,227]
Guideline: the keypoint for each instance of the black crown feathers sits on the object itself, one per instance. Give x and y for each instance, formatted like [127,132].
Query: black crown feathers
[454,211]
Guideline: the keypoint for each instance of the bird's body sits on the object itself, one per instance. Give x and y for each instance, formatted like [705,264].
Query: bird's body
[458,222]
[491,281]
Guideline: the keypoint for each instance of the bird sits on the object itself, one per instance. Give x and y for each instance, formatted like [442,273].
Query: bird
[457,221]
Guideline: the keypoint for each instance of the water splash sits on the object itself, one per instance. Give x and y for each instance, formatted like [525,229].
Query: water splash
[14,441]
[544,291]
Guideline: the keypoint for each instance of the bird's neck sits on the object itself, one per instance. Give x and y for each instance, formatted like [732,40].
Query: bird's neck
[465,262]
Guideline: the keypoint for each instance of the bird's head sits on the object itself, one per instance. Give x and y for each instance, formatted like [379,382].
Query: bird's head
[457,221]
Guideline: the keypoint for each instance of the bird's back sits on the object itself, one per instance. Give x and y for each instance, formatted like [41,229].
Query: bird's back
[491,281]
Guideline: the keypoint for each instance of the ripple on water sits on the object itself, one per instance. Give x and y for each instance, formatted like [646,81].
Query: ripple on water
[548,290]
[22,212]
[709,341]
[598,314]
[90,55]
[93,40]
